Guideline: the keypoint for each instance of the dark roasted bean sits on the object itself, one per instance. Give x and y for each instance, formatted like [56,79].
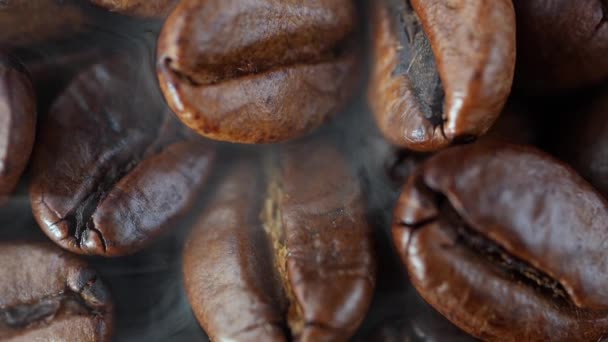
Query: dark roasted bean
[442,70]
[257,71]
[283,257]
[113,169]
[507,243]
[49,295]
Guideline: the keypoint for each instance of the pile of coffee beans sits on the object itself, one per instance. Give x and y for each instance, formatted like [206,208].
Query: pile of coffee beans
[303,170]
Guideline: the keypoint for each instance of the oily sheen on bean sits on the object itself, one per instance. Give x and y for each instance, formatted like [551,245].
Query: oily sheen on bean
[442,70]
[258,71]
[283,254]
[112,168]
[507,243]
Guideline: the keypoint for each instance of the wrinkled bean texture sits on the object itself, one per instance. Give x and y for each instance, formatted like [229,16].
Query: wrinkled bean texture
[255,71]
[17,123]
[442,70]
[283,256]
[507,243]
[112,168]
[561,44]
[47,294]
[143,8]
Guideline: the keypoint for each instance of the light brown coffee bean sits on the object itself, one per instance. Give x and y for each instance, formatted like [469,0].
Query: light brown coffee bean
[442,69]
[256,71]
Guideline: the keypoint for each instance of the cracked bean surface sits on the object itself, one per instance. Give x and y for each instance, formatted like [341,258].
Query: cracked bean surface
[256,71]
[507,243]
[442,70]
[133,171]
[283,254]
[49,294]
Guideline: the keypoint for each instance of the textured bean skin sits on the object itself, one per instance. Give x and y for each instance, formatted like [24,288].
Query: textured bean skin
[50,295]
[133,172]
[507,243]
[17,123]
[442,69]
[298,69]
[143,8]
[561,44]
[302,270]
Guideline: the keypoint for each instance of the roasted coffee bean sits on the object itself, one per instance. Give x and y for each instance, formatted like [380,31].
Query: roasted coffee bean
[26,22]
[113,168]
[507,243]
[17,123]
[583,140]
[285,258]
[49,295]
[561,44]
[255,71]
[143,8]
[442,69]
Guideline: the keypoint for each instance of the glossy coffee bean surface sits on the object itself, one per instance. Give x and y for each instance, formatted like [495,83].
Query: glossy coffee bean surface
[442,70]
[507,243]
[47,294]
[113,168]
[252,71]
[283,254]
